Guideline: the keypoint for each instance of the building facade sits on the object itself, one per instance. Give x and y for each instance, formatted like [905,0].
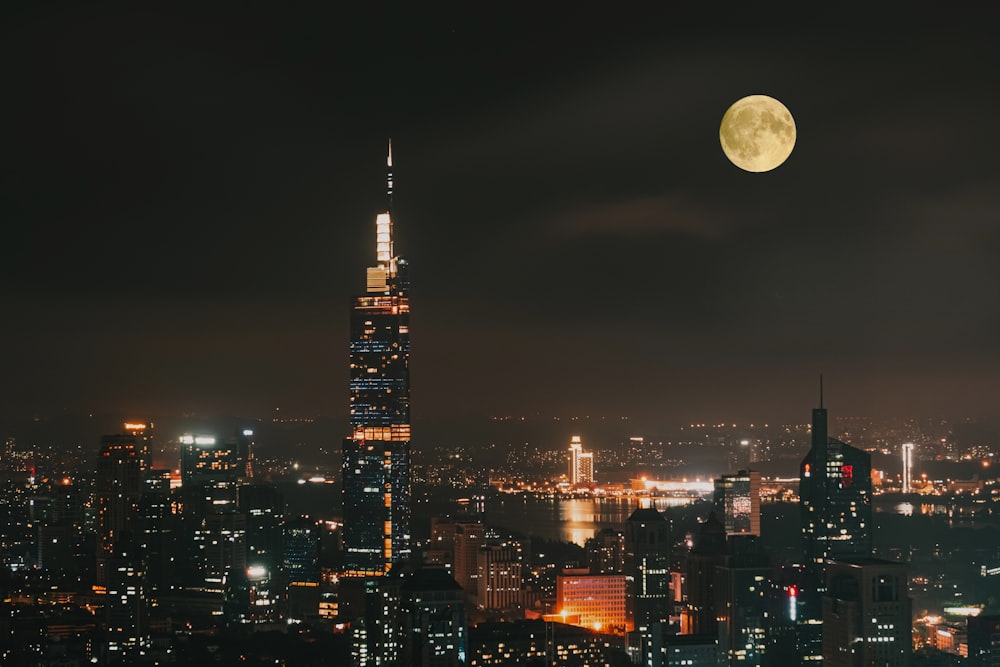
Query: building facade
[866,614]
[835,490]
[376,456]
[737,502]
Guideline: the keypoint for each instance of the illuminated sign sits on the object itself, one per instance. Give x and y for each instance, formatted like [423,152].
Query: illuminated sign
[197,440]
[846,476]
[247,432]
[135,426]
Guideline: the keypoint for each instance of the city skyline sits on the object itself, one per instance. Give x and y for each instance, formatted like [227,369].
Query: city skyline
[187,199]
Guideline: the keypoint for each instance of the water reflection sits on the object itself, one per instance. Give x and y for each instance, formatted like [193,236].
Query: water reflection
[571,520]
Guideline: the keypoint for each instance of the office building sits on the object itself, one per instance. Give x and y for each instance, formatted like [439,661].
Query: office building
[647,569]
[595,601]
[984,641]
[219,465]
[606,552]
[263,506]
[142,434]
[737,502]
[835,489]
[499,577]
[301,550]
[866,614]
[708,552]
[469,537]
[907,452]
[376,456]
[124,604]
[433,619]
[581,463]
[743,602]
[119,485]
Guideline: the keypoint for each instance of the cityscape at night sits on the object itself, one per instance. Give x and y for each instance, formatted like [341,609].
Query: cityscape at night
[703,363]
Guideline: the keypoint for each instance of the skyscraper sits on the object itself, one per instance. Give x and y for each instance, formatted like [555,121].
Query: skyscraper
[376,456]
[835,488]
[647,568]
[867,614]
[737,502]
[581,463]
[119,485]
[907,451]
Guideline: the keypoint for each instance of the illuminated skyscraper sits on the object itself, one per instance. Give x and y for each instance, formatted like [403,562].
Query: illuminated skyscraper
[581,463]
[376,456]
[907,465]
[835,488]
[737,501]
[119,485]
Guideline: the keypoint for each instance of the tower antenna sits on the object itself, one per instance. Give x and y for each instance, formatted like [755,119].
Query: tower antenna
[820,390]
[388,178]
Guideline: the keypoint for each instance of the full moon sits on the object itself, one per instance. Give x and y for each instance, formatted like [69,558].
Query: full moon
[757,133]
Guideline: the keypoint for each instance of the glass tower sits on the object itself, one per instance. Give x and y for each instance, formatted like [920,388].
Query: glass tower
[376,456]
[835,488]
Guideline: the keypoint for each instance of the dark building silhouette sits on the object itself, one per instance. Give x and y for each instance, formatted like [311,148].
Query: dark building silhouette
[300,538]
[156,530]
[708,552]
[984,641]
[867,614]
[119,486]
[606,552]
[835,488]
[376,456]
[647,577]
[263,506]
[433,619]
[743,602]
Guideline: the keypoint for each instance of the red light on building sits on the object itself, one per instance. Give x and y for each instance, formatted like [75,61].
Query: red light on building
[846,476]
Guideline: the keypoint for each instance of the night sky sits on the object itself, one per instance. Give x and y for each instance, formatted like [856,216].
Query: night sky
[188,198]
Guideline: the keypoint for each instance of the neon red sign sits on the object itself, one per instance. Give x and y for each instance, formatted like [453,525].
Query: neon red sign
[846,476]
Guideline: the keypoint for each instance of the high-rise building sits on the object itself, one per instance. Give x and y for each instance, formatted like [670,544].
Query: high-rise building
[737,502]
[647,568]
[142,433]
[433,619]
[125,605]
[264,508]
[498,584]
[376,456]
[119,485]
[835,489]
[743,602]
[984,641]
[866,614]
[708,552]
[217,464]
[469,537]
[606,552]
[907,451]
[581,463]
[301,550]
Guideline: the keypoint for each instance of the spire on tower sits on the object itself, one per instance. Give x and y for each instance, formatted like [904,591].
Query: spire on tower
[821,390]
[388,178]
